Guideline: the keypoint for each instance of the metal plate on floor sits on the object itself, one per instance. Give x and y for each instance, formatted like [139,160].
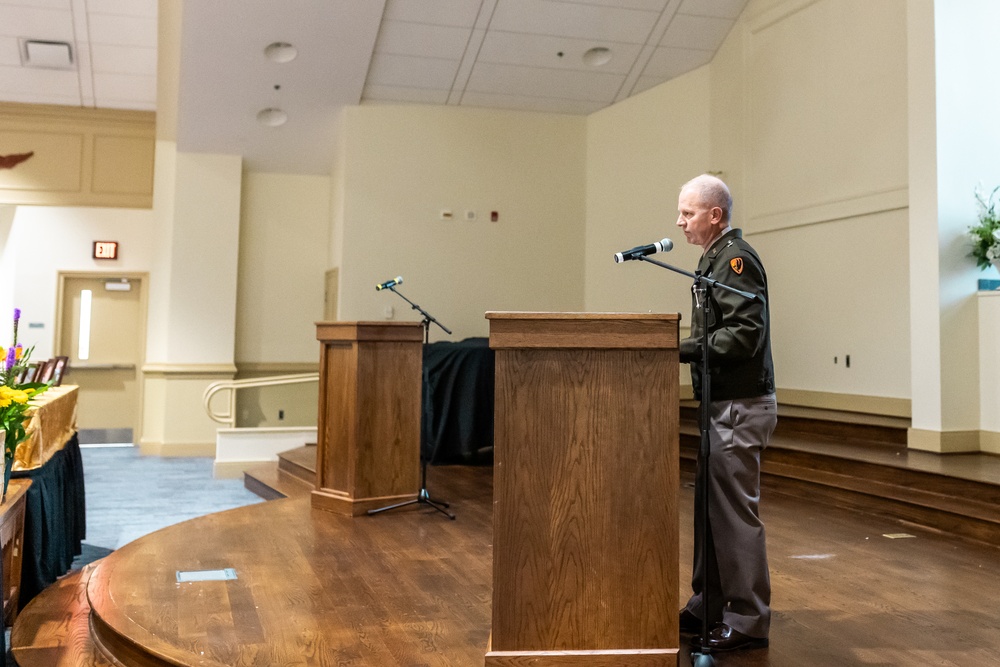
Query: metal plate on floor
[206,575]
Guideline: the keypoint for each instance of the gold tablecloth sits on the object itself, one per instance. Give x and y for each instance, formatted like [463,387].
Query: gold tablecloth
[51,422]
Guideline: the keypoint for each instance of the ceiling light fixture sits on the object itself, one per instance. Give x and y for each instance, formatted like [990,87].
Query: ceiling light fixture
[280,52]
[272,117]
[597,56]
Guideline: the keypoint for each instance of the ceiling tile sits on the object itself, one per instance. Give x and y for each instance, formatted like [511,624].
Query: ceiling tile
[540,82]
[139,8]
[46,4]
[36,98]
[668,62]
[41,82]
[460,13]
[513,48]
[412,72]
[122,30]
[125,89]
[696,32]
[726,9]
[107,58]
[524,103]
[644,83]
[36,23]
[375,93]
[565,19]
[420,39]
[10,52]
[646,5]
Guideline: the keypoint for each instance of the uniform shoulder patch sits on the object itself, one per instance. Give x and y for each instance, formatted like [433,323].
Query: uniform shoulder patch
[736,264]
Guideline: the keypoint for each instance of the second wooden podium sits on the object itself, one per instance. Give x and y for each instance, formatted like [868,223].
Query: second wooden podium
[585,559]
[368,453]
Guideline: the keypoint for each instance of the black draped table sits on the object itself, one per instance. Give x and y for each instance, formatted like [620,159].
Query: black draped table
[55,522]
[458,410]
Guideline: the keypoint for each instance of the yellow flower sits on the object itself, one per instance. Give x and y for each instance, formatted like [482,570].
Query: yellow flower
[4,401]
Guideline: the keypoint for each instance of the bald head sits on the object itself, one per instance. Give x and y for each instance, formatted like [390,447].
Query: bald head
[712,192]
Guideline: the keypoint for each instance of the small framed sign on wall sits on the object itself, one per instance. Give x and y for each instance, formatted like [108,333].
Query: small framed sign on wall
[105,249]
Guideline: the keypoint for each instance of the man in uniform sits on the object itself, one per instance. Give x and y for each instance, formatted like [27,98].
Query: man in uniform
[743,414]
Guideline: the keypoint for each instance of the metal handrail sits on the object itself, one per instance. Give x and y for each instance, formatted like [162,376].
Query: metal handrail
[229,417]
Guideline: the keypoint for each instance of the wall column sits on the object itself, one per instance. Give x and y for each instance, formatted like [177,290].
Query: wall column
[192,301]
[953,146]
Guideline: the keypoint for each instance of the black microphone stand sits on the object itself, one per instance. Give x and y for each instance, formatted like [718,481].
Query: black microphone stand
[423,498]
[703,286]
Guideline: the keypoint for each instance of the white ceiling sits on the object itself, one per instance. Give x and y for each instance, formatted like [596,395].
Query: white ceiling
[507,54]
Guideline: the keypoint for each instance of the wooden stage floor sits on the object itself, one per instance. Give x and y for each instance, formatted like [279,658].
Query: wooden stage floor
[412,588]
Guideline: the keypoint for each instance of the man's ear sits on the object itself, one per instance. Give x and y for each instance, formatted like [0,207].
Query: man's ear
[716,213]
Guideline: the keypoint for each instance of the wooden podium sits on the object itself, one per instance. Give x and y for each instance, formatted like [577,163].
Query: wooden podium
[585,555]
[368,449]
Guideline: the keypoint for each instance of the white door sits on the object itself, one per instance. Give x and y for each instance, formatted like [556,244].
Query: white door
[102,331]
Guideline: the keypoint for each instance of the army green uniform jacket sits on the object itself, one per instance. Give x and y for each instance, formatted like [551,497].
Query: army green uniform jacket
[739,329]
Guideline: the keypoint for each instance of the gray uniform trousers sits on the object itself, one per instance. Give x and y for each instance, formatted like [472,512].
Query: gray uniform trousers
[739,585]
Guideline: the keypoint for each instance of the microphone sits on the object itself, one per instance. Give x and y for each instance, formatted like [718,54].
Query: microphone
[389,283]
[663,245]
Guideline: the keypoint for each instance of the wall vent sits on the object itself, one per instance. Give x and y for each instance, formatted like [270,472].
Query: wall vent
[47,55]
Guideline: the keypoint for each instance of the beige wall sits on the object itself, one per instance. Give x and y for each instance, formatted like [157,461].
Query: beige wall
[284,236]
[639,152]
[803,111]
[809,127]
[77,157]
[403,165]
[33,260]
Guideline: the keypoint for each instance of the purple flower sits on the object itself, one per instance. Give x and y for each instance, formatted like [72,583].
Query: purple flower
[17,315]
[11,358]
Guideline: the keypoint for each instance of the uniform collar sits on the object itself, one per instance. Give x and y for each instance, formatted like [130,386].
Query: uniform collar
[723,241]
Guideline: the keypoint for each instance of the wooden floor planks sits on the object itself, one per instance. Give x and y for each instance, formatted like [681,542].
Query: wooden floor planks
[411,588]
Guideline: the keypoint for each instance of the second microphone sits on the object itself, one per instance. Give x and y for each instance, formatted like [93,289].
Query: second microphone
[398,280]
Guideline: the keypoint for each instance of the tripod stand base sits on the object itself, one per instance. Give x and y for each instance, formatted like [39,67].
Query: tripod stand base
[702,659]
[330,500]
[423,498]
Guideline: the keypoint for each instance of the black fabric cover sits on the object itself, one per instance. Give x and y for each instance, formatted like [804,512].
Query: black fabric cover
[458,410]
[55,519]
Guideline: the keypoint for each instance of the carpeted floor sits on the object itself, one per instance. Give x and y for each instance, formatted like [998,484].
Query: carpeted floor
[129,495]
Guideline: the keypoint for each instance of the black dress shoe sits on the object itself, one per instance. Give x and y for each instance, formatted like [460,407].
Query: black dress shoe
[689,623]
[724,638]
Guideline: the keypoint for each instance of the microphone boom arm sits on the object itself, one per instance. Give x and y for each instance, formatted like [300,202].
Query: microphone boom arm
[710,281]
[428,318]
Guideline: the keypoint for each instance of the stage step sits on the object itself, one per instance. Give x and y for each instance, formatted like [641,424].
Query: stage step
[54,629]
[300,462]
[864,467]
[292,476]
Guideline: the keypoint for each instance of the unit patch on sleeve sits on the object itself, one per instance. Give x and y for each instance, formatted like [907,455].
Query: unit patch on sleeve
[736,264]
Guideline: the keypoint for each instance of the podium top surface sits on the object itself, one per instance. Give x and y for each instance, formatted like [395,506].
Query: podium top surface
[370,331]
[583,330]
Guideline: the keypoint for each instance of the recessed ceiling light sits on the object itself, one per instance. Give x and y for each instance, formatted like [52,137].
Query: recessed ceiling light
[272,117]
[597,56]
[281,52]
